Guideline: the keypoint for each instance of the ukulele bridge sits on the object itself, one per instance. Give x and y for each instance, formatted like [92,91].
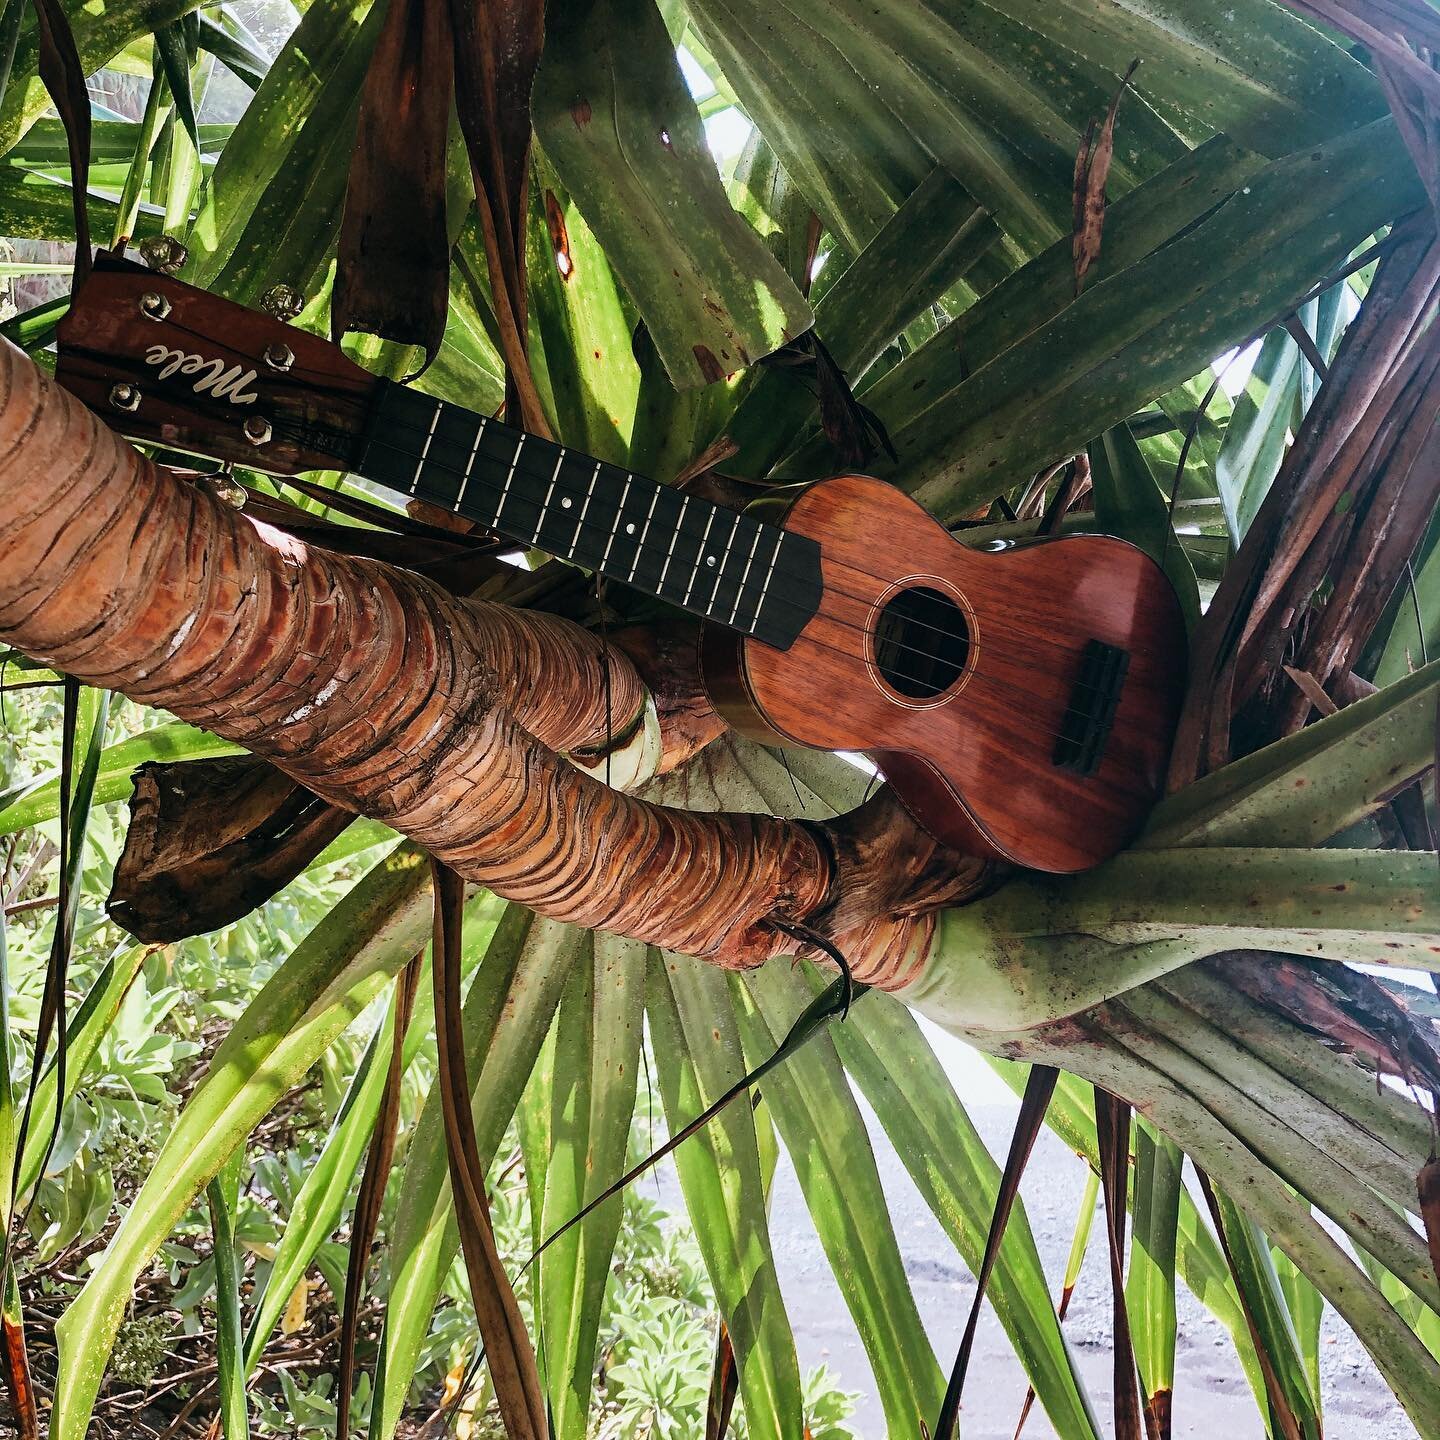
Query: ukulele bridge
[1094,699]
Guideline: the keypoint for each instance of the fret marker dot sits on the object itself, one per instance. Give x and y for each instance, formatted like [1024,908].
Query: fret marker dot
[566,503]
[630,528]
[710,560]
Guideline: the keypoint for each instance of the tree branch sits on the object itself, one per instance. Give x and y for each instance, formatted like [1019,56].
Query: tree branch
[389,697]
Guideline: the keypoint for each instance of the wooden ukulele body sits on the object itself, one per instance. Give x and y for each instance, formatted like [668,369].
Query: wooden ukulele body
[1021,703]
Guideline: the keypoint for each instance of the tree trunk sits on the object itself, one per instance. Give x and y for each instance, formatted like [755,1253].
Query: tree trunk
[441,717]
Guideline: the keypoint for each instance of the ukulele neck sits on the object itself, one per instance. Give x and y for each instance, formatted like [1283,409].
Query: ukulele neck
[726,567]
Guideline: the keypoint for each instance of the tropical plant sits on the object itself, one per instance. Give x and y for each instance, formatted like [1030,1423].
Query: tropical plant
[1021,341]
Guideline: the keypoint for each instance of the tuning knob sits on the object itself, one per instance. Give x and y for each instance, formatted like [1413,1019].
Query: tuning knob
[284,302]
[125,396]
[164,253]
[222,485]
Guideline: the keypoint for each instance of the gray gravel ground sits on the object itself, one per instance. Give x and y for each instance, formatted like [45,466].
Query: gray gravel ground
[1212,1395]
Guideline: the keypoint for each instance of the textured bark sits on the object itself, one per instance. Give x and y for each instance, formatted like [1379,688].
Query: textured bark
[383,694]
[668,660]
[210,840]
[891,879]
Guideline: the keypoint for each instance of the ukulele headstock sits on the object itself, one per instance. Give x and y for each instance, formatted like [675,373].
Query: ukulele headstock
[169,364]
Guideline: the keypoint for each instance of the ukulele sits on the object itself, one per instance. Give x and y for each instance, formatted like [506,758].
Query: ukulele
[1021,701]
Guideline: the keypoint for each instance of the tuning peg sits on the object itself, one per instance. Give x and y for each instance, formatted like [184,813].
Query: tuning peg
[284,302]
[224,487]
[163,253]
[125,396]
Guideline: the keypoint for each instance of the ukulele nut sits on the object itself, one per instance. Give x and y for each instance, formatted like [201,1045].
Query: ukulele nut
[279,357]
[154,306]
[257,430]
[125,396]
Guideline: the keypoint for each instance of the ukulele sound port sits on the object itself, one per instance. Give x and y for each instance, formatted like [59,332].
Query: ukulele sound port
[921,643]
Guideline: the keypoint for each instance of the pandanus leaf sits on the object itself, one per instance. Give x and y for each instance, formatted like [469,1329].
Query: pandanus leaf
[615,118]
[886,1053]
[320,990]
[824,1133]
[330,1181]
[271,204]
[698,1056]
[598,1033]
[1150,1279]
[508,1011]
[223,1197]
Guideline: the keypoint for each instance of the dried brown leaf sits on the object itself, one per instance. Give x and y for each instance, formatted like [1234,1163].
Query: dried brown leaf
[1112,1127]
[17,1378]
[1281,1410]
[1159,1414]
[1364,438]
[508,1351]
[366,1220]
[64,78]
[392,277]
[1427,1188]
[1313,690]
[1038,1089]
[209,840]
[1092,170]
[497,49]
[724,1386]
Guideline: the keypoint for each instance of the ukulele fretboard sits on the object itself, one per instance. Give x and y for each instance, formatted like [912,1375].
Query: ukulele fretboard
[728,567]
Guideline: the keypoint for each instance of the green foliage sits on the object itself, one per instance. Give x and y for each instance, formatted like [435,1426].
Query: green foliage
[223,1091]
[612,111]
[653,1325]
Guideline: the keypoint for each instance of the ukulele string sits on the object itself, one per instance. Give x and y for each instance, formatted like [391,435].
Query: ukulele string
[530,471]
[1021,692]
[1028,696]
[985,675]
[768,596]
[292,379]
[972,673]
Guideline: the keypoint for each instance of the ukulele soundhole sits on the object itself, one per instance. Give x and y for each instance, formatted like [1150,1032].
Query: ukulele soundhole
[922,641]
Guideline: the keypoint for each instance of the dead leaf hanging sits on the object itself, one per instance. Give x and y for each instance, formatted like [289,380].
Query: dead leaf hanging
[393,271]
[497,49]
[1112,1125]
[209,840]
[502,1328]
[1092,170]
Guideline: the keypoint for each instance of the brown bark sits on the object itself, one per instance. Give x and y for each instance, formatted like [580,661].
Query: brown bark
[667,658]
[383,694]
